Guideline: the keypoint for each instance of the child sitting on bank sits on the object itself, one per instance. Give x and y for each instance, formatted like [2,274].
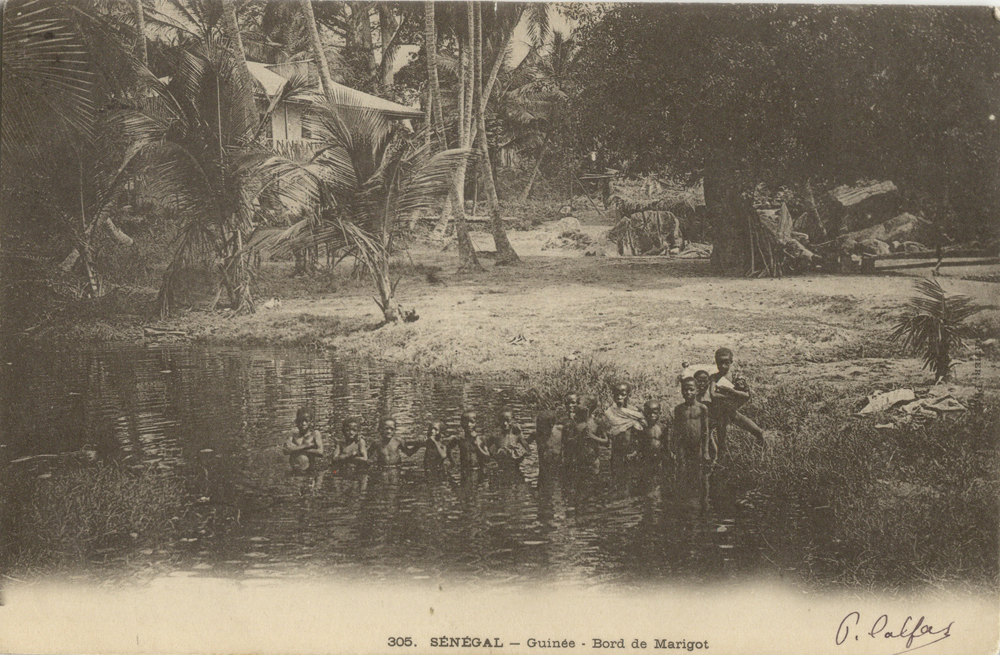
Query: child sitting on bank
[305,446]
[728,396]
[691,439]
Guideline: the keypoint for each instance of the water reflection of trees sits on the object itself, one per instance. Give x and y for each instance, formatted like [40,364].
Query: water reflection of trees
[217,418]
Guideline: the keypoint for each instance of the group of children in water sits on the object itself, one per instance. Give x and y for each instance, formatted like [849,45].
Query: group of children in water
[566,441]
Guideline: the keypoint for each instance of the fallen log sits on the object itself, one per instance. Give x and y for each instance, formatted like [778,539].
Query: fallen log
[150,332]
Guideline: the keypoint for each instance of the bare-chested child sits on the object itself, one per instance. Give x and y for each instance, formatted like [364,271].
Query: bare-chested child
[551,437]
[436,449]
[586,437]
[472,450]
[353,451]
[654,446]
[391,448]
[622,424]
[691,439]
[305,446]
[728,396]
[509,448]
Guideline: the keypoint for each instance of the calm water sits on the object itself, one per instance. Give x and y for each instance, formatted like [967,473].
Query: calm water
[214,418]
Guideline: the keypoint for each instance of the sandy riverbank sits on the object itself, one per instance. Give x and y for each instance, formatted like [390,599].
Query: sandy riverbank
[644,314]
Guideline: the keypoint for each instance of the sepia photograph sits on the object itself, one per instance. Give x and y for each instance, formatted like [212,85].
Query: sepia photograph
[499,327]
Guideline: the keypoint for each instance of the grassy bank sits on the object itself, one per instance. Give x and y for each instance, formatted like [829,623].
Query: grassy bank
[76,516]
[841,501]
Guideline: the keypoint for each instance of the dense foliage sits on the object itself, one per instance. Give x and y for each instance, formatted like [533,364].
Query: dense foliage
[783,94]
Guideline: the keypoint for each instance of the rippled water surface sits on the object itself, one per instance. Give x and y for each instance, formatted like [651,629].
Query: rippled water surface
[215,418]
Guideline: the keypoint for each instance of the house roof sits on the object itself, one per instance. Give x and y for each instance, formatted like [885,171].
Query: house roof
[345,96]
[271,81]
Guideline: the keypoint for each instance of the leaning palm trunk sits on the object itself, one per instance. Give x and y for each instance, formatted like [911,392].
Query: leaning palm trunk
[534,173]
[325,79]
[467,260]
[140,29]
[506,254]
[236,275]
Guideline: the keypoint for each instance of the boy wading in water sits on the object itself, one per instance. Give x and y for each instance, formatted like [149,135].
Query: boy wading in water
[621,424]
[436,451]
[354,451]
[306,445]
[585,437]
[472,450]
[692,439]
[390,450]
[509,448]
[551,438]
[727,397]
[654,452]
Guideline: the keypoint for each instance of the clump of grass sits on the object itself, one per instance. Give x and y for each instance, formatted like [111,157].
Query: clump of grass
[589,377]
[883,508]
[70,517]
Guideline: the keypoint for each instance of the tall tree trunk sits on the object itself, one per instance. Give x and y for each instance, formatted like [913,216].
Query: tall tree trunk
[506,254]
[534,173]
[360,35]
[140,29]
[232,30]
[325,80]
[387,27]
[433,80]
[730,211]
[467,260]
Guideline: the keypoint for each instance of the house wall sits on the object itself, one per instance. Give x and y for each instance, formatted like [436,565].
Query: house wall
[286,122]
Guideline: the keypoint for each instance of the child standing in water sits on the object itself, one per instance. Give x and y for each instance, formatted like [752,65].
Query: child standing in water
[509,448]
[473,452]
[654,452]
[436,451]
[622,424]
[586,438]
[306,445]
[354,450]
[551,433]
[691,437]
[390,449]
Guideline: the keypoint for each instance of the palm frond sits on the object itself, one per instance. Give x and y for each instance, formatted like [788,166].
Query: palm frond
[432,181]
[932,324]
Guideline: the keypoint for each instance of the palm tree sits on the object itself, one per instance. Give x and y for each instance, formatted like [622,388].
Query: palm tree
[325,79]
[533,94]
[198,136]
[57,147]
[931,325]
[367,178]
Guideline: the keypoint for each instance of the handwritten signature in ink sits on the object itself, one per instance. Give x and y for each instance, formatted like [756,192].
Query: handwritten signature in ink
[914,631]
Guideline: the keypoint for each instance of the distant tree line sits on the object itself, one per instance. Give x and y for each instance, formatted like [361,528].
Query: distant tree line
[791,94]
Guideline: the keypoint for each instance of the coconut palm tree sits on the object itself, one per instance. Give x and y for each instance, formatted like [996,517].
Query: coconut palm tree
[59,149]
[931,325]
[198,136]
[366,177]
